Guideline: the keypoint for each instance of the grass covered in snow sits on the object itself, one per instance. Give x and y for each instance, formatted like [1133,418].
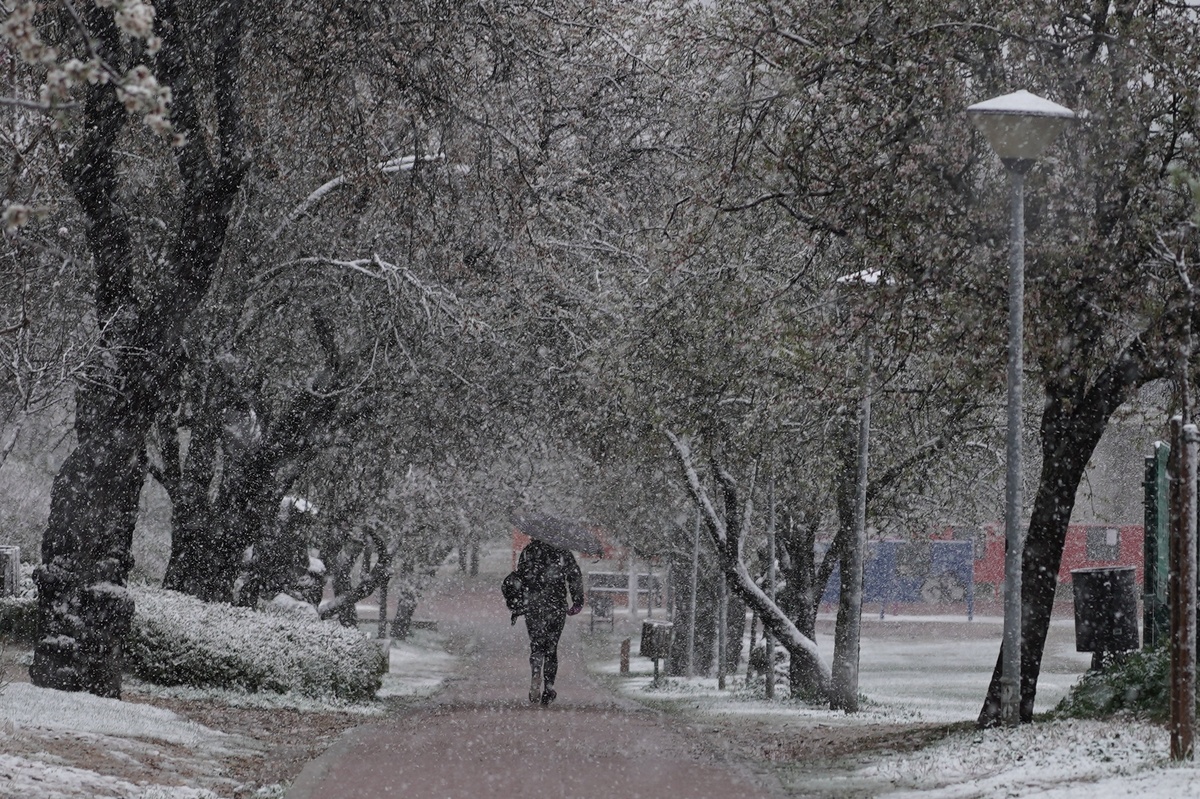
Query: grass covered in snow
[43,731]
[1066,759]
[35,720]
[24,706]
[937,679]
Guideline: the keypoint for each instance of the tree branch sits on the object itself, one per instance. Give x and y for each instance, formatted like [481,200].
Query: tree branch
[799,646]
[379,574]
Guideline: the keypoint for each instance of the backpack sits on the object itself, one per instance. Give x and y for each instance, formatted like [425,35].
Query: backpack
[542,567]
[514,595]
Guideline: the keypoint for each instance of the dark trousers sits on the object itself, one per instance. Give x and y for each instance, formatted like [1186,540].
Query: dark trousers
[545,627]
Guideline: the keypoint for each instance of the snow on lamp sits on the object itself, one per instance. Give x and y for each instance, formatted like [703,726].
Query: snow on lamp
[1019,126]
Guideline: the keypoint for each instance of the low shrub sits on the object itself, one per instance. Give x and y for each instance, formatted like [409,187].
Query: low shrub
[1137,684]
[18,614]
[179,640]
[18,619]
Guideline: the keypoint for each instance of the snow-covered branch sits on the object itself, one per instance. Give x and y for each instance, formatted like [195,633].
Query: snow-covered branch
[391,166]
[433,299]
[734,568]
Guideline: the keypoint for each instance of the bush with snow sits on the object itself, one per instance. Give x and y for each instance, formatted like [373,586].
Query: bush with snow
[179,640]
[18,619]
[1138,684]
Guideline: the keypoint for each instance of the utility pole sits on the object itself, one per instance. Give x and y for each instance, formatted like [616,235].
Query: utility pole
[1182,590]
[1182,580]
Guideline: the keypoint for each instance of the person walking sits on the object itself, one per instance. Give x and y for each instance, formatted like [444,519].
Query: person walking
[547,574]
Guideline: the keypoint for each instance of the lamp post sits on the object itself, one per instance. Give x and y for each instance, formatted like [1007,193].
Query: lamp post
[1018,126]
[846,648]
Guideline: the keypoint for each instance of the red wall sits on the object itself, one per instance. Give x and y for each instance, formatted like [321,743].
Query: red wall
[990,567]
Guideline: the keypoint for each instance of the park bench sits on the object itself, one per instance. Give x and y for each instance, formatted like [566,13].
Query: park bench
[603,588]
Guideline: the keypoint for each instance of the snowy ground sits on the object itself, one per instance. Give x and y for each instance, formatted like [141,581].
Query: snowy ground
[937,676]
[941,678]
[43,732]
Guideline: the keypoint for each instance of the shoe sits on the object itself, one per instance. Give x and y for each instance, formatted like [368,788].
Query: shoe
[535,687]
[548,696]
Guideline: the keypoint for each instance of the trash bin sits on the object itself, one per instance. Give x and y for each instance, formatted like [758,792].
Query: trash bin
[656,642]
[656,639]
[1106,610]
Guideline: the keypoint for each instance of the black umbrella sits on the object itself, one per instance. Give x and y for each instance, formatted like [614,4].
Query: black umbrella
[558,532]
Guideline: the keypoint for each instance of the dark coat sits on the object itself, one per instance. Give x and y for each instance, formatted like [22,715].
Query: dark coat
[547,574]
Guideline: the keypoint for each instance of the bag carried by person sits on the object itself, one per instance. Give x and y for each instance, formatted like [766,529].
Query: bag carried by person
[515,598]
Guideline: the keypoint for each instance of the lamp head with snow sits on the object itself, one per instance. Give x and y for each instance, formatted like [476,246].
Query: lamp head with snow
[1019,126]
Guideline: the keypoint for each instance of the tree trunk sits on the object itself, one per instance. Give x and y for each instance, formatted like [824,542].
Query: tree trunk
[192,568]
[735,632]
[342,579]
[84,612]
[406,606]
[706,615]
[801,598]
[679,565]
[406,601]
[1072,424]
[219,513]
[728,537]
[383,632]
[193,534]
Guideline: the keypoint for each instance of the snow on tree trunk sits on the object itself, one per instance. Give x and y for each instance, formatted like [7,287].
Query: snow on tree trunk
[84,611]
[728,547]
[406,601]
[804,582]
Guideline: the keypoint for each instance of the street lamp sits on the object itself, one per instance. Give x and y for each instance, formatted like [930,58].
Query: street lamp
[1019,126]
[844,684]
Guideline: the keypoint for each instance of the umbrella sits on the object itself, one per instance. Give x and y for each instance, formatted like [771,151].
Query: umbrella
[559,532]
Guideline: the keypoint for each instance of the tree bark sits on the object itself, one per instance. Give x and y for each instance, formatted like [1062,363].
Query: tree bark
[735,632]
[260,462]
[341,607]
[728,538]
[84,611]
[804,582]
[1072,424]
[706,613]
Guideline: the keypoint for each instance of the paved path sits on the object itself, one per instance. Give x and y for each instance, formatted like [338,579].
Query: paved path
[481,738]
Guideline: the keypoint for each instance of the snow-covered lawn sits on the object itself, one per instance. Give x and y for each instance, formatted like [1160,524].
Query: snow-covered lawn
[919,677]
[1060,759]
[943,679]
[47,736]
[48,726]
